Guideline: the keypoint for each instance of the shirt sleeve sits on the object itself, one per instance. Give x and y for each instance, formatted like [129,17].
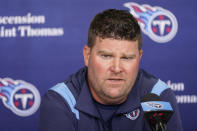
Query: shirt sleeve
[55,114]
[174,124]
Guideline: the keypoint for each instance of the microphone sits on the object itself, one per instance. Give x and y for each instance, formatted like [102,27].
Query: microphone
[156,112]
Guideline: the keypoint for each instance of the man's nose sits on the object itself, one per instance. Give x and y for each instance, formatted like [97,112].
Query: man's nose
[116,66]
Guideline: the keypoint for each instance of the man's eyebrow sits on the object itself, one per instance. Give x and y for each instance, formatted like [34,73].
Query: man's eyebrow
[129,54]
[123,54]
[103,52]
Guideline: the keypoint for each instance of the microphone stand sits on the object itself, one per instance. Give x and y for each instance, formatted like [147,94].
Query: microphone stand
[160,126]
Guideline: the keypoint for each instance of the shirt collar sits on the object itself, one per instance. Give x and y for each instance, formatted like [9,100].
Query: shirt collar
[85,102]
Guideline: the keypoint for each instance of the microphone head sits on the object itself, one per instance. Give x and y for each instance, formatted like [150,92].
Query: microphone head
[150,97]
[152,102]
[155,110]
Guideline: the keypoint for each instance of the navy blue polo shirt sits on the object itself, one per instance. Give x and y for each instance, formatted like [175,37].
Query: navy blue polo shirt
[69,106]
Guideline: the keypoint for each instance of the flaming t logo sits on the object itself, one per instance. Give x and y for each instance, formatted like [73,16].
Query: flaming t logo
[20,97]
[159,24]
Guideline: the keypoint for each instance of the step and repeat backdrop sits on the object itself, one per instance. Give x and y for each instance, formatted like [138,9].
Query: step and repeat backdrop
[41,44]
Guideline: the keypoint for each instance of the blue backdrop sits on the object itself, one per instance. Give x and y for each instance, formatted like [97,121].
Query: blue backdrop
[41,44]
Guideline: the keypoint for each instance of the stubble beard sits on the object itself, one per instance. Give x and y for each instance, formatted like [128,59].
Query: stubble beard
[102,92]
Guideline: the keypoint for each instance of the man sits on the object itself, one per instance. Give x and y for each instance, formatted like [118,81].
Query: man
[105,95]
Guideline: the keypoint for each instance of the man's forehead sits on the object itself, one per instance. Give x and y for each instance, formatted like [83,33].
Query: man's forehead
[119,53]
[111,42]
[100,39]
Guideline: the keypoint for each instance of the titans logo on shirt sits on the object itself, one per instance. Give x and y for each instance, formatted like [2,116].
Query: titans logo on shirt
[157,23]
[20,97]
[133,115]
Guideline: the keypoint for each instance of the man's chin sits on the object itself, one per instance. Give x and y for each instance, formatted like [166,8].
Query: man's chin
[115,98]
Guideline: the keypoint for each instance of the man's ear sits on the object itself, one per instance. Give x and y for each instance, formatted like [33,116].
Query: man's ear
[86,54]
[141,53]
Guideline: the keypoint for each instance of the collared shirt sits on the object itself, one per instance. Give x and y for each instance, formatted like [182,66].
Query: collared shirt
[75,110]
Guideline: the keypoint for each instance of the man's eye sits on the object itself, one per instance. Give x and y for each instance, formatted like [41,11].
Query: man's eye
[126,58]
[106,56]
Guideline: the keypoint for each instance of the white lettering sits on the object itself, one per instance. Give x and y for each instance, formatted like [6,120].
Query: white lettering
[7,32]
[23,30]
[27,30]
[35,32]
[27,19]
[186,98]
[176,86]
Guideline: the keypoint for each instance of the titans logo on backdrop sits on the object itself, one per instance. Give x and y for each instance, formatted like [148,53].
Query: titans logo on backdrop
[157,23]
[20,97]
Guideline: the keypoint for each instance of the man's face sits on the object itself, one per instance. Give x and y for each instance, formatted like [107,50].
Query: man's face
[112,69]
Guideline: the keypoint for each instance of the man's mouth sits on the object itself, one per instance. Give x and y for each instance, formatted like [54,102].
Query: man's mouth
[115,80]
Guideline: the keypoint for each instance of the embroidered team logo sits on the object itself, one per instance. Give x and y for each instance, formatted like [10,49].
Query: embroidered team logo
[133,115]
[20,97]
[157,23]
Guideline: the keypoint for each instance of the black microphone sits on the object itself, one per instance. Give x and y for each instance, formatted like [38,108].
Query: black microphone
[156,112]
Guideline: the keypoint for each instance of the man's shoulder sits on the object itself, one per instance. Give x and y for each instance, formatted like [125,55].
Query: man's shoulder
[147,76]
[151,84]
[53,100]
[70,87]
[73,83]
[77,78]
[146,81]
